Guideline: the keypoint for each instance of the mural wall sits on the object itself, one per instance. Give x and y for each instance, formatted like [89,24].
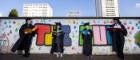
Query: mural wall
[102,42]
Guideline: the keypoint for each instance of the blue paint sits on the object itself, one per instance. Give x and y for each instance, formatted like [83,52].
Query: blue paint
[9,26]
[67,39]
[74,27]
[136,24]
[108,36]
[5,22]
[98,21]
[138,27]
[9,21]
[82,23]
[130,22]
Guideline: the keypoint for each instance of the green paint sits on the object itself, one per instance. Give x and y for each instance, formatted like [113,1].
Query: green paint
[16,30]
[43,21]
[138,37]
[107,21]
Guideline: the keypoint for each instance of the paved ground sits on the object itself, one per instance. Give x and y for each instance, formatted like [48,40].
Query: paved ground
[66,57]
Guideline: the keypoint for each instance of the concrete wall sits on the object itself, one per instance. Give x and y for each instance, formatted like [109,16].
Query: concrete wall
[9,33]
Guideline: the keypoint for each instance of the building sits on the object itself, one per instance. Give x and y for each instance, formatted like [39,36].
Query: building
[107,8]
[37,10]
[74,13]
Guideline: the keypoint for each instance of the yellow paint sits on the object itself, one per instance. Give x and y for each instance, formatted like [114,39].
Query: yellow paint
[18,24]
[48,39]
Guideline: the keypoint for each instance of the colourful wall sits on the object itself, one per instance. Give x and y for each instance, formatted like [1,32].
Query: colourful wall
[102,42]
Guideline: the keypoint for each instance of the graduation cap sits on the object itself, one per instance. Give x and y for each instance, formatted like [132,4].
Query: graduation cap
[117,20]
[86,24]
[58,23]
[27,19]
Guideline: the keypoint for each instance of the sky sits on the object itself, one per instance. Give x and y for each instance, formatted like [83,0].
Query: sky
[62,7]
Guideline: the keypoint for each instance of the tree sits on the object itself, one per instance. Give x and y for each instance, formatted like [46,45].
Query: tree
[13,13]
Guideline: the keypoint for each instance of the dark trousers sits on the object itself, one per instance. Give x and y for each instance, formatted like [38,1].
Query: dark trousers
[120,53]
[120,46]
[25,46]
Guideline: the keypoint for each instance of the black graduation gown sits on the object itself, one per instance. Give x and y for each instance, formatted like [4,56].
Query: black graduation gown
[57,42]
[24,41]
[118,38]
[87,43]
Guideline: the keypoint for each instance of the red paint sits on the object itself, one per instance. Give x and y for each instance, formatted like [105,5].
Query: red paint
[132,28]
[128,27]
[41,31]
[111,22]
[104,22]
[125,23]
[139,22]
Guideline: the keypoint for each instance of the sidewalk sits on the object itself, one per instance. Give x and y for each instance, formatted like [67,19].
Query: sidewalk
[66,57]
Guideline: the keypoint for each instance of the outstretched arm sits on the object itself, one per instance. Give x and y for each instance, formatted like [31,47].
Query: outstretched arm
[124,29]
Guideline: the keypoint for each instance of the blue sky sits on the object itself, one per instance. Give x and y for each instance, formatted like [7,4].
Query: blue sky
[62,7]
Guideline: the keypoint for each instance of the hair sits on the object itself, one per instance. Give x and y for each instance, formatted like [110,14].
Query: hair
[27,19]
[117,20]
[57,24]
[86,24]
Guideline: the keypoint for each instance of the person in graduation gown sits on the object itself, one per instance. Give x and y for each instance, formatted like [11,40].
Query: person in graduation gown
[26,34]
[87,36]
[57,41]
[118,38]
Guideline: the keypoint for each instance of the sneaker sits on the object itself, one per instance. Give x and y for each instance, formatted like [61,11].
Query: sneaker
[61,55]
[89,57]
[57,55]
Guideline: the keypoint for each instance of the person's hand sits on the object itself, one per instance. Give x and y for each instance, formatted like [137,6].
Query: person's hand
[26,32]
[54,33]
[34,28]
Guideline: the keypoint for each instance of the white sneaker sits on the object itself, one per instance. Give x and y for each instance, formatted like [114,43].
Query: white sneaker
[57,55]
[61,55]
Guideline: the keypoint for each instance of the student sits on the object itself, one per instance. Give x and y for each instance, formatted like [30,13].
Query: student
[26,33]
[118,38]
[58,37]
[87,40]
